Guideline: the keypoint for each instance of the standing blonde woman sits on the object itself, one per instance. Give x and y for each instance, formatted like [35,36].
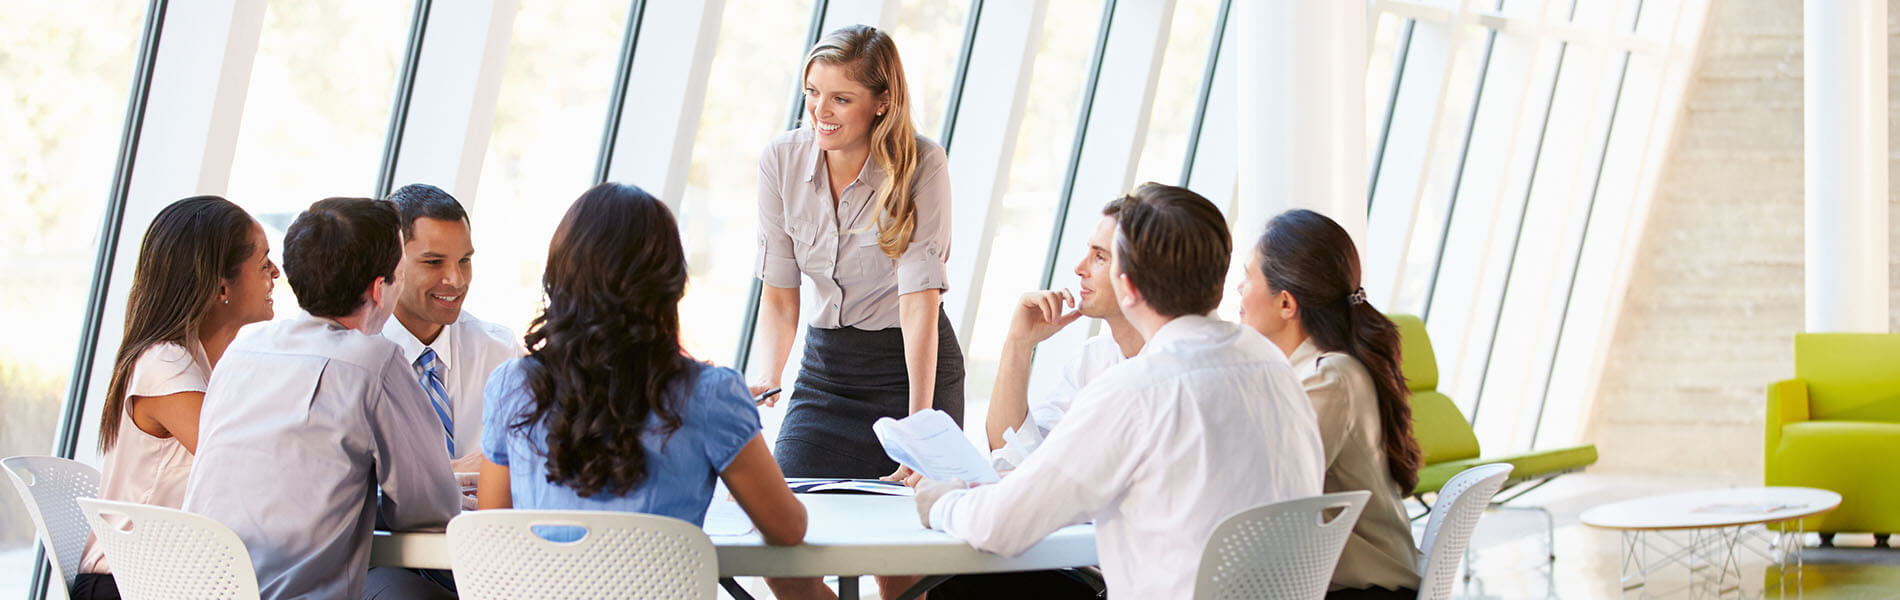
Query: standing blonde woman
[859,204]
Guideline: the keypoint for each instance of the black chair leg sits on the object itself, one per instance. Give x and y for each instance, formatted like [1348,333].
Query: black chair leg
[1827,540]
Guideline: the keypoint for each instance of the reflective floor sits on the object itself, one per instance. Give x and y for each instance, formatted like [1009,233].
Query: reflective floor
[1509,554]
[1509,557]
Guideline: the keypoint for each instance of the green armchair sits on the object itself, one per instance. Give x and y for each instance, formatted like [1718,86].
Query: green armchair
[1836,426]
[1451,446]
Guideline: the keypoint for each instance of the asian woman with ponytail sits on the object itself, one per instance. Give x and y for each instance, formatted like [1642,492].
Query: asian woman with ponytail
[1303,292]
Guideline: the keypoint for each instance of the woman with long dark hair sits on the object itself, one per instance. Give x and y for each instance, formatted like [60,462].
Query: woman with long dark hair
[1302,292]
[606,412]
[204,270]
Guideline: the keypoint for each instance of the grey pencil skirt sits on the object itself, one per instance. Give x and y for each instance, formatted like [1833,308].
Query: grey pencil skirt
[848,379]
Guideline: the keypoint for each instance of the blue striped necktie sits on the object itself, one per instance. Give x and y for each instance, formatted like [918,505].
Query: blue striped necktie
[431,379]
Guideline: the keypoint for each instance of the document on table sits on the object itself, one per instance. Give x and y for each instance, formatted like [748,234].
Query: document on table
[930,443]
[807,485]
[725,518]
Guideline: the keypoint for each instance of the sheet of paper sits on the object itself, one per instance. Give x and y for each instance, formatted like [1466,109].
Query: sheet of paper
[930,442]
[725,518]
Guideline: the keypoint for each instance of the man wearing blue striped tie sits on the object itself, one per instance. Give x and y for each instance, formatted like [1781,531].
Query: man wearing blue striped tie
[451,351]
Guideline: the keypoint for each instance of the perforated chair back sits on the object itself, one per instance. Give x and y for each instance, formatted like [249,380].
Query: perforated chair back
[1280,550]
[499,554]
[160,553]
[47,485]
[1455,515]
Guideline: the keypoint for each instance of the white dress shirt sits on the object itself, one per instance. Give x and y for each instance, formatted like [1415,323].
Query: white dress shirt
[466,352]
[303,421]
[1098,355]
[1206,421]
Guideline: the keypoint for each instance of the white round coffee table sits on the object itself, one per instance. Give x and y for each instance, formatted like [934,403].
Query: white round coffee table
[1716,521]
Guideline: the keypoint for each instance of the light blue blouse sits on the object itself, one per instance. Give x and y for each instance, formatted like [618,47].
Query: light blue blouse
[716,421]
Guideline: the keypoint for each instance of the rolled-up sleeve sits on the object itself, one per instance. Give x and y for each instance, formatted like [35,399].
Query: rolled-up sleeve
[777,264]
[922,266]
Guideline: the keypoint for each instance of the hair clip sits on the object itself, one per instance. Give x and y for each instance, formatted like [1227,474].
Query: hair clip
[1358,296]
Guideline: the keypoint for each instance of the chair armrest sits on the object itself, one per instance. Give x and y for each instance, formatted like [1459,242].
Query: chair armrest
[1787,403]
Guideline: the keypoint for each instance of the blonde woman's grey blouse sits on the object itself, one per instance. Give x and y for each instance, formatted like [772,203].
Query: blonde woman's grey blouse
[801,232]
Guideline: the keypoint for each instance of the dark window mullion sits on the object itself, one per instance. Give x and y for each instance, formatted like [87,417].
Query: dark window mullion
[962,73]
[617,102]
[1589,213]
[72,414]
[748,329]
[1207,91]
[405,92]
[1075,150]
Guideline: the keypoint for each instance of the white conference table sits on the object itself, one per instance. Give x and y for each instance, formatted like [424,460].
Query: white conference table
[847,536]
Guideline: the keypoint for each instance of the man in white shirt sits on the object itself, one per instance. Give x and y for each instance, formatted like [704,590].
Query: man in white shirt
[1017,425]
[1206,421]
[305,419]
[434,332]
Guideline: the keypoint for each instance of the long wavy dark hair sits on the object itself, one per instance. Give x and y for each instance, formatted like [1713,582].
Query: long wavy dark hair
[605,350]
[191,247]
[1306,254]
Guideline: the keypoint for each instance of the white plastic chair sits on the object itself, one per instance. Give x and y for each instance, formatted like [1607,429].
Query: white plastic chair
[160,553]
[1280,550]
[498,554]
[1454,516]
[47,485]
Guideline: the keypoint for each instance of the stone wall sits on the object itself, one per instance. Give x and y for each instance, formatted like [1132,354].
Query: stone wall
[1716,295]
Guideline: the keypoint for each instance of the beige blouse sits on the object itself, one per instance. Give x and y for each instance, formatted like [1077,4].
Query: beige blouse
[1381,551]
[143,468]
[836,248]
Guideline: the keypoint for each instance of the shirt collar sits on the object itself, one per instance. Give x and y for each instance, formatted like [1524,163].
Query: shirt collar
[1305,353]
[1179,328]
[871,176]
[412,348]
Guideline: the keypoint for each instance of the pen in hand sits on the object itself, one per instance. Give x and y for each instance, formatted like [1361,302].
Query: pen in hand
[760,399]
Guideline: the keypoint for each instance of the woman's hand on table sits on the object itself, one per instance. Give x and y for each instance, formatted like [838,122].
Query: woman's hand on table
[903,475]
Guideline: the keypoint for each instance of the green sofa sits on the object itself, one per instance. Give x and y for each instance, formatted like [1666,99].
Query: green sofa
[1836,426]
[1451,446]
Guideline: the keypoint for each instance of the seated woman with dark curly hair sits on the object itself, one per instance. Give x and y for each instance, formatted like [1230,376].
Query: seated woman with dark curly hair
[605,412]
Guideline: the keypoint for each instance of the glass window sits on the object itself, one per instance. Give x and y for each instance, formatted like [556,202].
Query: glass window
[552,109]
[1177,91]
[749,95]
[929,37]
[57,167]
[1043,144]
[317,109]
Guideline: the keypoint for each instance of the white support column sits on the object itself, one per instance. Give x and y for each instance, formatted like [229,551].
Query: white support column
[1116,129]
[666,90]
[186,144]
[1302,131]
[881,14]
[452,107]
[1845,63]
[1001,62]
